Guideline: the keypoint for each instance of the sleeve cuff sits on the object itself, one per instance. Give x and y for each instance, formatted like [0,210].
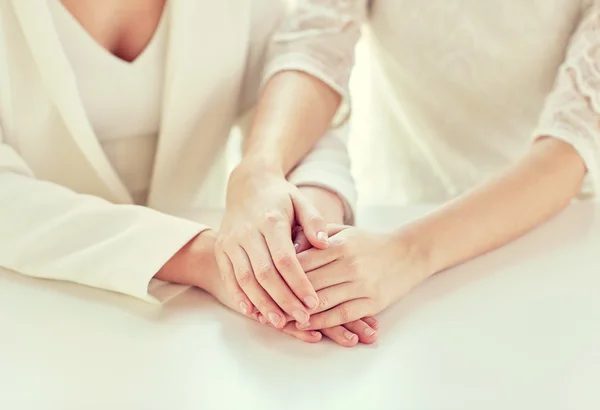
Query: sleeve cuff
[156,243]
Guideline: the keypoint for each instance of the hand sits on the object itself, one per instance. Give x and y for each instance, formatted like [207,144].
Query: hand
[331,207]
[255,244]
[360,274]
[195,265]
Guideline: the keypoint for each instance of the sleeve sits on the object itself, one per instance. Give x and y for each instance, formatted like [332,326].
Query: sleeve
[319,37]
[572,110]
[328,166]
[48,231]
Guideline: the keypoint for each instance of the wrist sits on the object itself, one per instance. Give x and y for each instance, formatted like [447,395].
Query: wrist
[194,264]
[260,162]
[415,251]
[329,204]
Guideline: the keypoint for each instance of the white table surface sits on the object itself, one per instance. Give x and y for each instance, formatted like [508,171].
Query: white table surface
[516,329]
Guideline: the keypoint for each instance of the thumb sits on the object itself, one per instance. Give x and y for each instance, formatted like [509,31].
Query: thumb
[311,221]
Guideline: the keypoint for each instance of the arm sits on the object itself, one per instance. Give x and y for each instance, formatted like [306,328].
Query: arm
[526,195]
[48,231]
[566,151]
[567,144]
[306,78]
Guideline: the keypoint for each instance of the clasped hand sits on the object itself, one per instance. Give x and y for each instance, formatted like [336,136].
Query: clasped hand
[267,280]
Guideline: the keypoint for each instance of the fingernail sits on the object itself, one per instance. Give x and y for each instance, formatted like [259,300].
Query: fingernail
[302,325]
[322,236]
[244,308]
[369,331]
[274,318]
[300,316]
[297,247]
[262,319]
[349,335]
[311,302]
[315,333]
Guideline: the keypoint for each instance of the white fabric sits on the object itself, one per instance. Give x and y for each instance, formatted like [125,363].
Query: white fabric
[457,91]
[127,127]
[64,211]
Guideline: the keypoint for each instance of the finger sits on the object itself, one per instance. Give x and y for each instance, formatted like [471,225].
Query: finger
[341,336]
[334,229]
[301,243]
[248,283]
[316,258]
[271,281]
[366,334]
[237,295]
[312,336]
[283,254]
[327,276]
[345,313]
[372,322]
[311,221]
[334,296]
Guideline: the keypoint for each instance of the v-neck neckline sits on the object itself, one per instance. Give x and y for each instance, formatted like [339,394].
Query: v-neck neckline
[147,50]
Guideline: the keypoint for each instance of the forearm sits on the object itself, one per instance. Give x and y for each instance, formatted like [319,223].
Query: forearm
[524,196]
[293,112]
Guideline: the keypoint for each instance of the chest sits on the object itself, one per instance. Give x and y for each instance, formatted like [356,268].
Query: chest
[481,40]
[122,27]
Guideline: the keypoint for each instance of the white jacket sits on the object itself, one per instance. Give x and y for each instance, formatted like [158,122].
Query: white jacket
[64,213]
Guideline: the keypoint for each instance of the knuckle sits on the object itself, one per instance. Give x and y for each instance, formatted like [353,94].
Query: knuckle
[284,259]
[323,301]
[344,245]
[244,277]
[220,243]
[272,217]
[264,273]
[344,313]
[263,306]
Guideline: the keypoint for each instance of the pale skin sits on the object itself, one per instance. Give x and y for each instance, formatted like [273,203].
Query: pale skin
[362,273]
[279,139]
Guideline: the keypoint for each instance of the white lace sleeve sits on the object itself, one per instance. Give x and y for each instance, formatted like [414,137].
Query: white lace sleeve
[319,37]
[572,110]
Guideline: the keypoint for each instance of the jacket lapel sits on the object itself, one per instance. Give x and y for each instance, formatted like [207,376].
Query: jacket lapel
[37,24]
[208,44]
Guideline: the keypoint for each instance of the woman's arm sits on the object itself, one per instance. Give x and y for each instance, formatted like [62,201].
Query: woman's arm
[527,194]
[367,272]
[49,231]
[567,144]
[565,152]
[306,77]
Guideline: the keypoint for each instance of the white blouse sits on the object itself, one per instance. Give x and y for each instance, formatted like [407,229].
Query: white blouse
[128,126]
[458,89]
